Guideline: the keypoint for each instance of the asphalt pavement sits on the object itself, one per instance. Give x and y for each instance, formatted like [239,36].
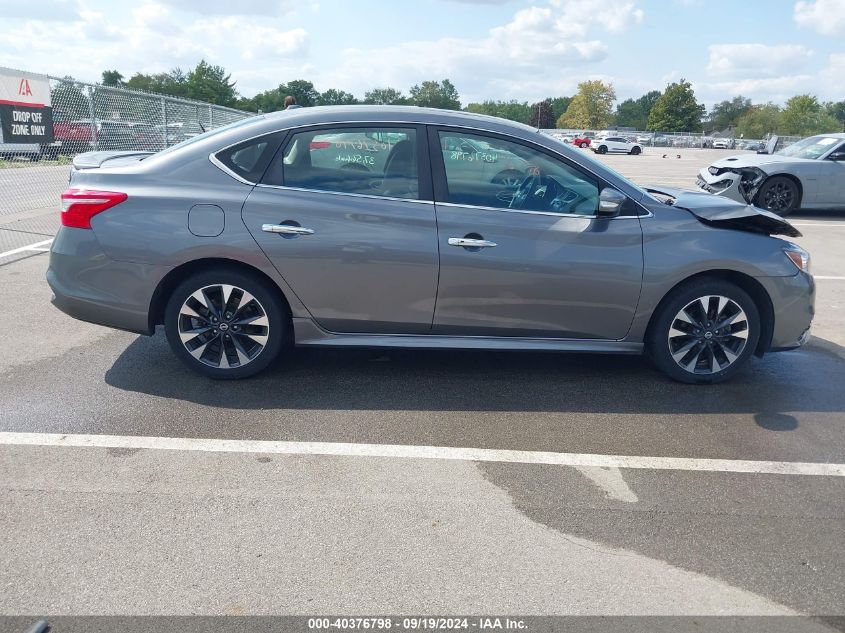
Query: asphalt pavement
[234,530]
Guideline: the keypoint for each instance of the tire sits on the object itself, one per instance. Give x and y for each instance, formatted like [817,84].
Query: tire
[582,145]
[254,334]
[602,149]
[636,151]
[683,341]
[780,195]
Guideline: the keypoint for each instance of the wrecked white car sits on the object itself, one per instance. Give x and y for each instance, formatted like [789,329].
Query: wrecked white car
[809,174]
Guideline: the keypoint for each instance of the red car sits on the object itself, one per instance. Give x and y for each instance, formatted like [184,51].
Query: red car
[583,140]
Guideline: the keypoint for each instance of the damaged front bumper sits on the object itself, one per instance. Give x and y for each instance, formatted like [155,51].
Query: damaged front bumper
[737,183]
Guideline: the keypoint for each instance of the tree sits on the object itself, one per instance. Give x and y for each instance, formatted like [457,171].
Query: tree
[804,116]
[112,78]
[634,112]
[592,107]
[541,115]
[436,94]
[725,114]
[173,83]
[559,105]
[677,110]
[301,90]
[759,121]
[211,84]
[837,111]
[336,97]
[511,110]
[385,96]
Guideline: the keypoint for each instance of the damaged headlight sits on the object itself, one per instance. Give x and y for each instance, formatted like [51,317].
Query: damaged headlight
[750,180]
[798,256]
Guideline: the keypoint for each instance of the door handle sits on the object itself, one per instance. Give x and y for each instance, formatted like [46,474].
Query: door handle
[468,242]
[286,229]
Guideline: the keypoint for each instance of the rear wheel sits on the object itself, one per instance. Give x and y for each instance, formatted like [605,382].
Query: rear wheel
[582,145]
[779,195]
[225,324]
[636,150]
[705,332]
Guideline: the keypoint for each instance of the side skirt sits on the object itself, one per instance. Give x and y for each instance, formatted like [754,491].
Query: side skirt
[309,334]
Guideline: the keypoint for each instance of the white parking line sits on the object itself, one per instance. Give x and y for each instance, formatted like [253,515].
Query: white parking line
[30,247]
[424,452]
[828,278]
[837,224]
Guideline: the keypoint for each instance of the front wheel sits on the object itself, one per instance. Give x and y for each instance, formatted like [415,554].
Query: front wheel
[704,332]
[582,145]
[779,195]
[602,149]
[225,324]
[635,150]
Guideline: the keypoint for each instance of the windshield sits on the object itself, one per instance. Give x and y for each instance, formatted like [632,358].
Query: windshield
[209,133]
[811,148]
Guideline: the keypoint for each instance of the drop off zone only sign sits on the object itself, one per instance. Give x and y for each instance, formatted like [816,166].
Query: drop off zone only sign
[26,112]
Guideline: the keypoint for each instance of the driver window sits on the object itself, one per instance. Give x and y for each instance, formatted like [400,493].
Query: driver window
[484,171]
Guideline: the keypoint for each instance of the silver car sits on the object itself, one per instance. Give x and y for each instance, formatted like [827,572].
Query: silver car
[809,174]
[240,243]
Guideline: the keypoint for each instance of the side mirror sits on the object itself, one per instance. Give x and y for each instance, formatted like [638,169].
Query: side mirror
[837,156]
[610,202]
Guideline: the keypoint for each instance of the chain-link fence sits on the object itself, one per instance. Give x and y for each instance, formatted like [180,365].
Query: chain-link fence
[90,117]
[671,139]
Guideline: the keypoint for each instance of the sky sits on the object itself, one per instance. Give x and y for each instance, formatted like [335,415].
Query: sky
[767,50]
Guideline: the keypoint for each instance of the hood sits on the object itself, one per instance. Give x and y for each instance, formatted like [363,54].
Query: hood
[755,160]
[725,213]
[94,160]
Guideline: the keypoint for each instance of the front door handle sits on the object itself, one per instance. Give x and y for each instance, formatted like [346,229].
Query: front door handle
[286,229]
[469,242]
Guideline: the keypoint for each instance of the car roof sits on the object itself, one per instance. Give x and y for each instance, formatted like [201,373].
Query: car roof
[399,114]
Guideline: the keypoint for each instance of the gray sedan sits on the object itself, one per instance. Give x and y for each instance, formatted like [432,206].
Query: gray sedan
[242,241]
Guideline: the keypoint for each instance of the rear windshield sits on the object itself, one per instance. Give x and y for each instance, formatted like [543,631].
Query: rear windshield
[210,133]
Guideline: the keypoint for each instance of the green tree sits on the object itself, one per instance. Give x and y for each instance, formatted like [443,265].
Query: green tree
[677,110]
[726,114]
[542,116]
[559,105]
[112,78]
[436,94]
[634,112]
[336,97]
[837,111]
[511,110]
[592,107]
[385,96]
[805,116]
[301,90]
[69,101]
[759,121]
[211,84]
[173,83]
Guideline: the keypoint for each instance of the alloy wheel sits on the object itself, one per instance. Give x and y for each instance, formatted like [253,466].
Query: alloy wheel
[223,326]
[708,334]
[780,196]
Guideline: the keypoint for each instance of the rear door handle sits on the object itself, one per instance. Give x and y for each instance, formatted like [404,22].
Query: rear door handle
[286,229]
[468,242]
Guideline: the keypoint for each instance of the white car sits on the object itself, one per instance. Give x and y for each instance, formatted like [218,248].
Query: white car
[721,143]
[809,174]
[618,144]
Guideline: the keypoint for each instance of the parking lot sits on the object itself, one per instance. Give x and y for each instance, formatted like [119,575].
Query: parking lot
[338,482]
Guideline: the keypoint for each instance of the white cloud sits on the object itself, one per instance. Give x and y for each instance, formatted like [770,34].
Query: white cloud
[239,7]
[757,60]
[512,61]
[825,16]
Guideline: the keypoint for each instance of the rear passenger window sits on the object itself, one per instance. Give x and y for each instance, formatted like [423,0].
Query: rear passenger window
[250,159]
[367,160]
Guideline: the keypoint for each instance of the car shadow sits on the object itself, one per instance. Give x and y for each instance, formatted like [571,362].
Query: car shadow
[809,379]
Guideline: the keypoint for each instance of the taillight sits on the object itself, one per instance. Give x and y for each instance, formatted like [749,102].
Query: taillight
[80,205]
[319,145]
